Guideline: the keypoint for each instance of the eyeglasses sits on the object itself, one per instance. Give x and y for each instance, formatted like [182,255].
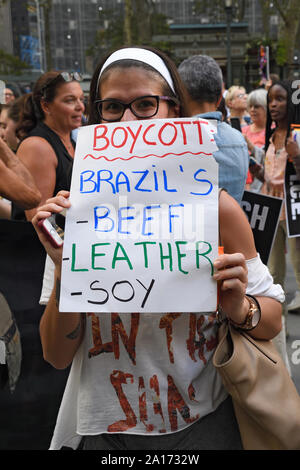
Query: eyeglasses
[112,110]
[66,76]
[241,95]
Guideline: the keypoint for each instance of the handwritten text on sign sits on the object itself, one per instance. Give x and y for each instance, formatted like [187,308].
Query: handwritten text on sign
[142,232]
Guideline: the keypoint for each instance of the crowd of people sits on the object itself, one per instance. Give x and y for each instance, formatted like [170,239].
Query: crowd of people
[37,146]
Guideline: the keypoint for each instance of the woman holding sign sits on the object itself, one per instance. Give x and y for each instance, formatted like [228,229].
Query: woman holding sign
[282,157]
[146,380]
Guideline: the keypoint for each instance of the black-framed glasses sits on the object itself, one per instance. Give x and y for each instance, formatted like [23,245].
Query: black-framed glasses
[66,76]
[144,107]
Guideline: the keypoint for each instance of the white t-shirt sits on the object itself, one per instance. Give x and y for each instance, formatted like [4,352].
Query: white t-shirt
[146,374]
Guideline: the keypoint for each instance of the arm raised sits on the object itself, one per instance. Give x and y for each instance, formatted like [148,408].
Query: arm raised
[16,182]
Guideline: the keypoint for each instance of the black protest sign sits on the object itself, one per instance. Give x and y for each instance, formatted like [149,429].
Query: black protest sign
[263,214]
[292,200]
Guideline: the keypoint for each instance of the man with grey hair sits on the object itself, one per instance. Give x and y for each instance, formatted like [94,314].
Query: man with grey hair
[203,79]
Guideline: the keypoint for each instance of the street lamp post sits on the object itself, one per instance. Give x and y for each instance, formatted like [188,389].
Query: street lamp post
[228,10]
[39,31]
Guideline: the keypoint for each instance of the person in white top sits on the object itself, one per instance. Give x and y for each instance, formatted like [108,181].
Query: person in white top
[146,380]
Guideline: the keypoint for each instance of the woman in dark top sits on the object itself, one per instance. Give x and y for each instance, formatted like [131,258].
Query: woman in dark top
[51,112]
[49,115]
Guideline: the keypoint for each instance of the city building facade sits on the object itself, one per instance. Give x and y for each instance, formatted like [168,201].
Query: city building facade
[65,36]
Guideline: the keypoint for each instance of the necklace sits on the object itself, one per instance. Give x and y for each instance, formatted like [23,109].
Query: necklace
[65,140]
[68,146]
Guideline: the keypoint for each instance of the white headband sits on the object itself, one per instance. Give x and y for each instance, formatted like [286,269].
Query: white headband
[142,55]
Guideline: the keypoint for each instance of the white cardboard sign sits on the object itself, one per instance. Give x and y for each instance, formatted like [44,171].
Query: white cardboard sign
[142,231]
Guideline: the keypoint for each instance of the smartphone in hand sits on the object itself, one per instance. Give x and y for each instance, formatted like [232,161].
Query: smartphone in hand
[252,161]
[52,230]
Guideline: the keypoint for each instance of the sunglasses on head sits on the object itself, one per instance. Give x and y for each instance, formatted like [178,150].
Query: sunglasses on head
[66,76]
[70,76]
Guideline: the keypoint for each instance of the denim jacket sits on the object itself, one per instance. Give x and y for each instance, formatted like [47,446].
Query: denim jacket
[232,156]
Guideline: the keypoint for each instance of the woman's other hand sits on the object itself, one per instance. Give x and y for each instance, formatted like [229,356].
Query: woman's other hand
[232,277]
[292,147]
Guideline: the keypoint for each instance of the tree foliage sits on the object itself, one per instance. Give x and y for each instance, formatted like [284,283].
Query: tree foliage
[134,22]
[10,64]
[288,12]
[215,10]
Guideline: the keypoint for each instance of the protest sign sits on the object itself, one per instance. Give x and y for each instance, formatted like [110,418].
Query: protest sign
[264,62]
[142,231]
[292,192]
[263,213]
[292,200]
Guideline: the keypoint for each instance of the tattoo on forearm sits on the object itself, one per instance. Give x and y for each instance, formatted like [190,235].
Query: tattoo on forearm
[76,332]
[81,324]
[57,292]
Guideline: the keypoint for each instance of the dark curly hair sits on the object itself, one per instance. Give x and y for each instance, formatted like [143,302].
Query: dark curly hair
[292,114]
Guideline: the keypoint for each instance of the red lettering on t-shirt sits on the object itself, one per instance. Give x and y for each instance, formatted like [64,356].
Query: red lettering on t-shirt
[177,403]
[191,392]
[118,378]
[194,344]
[99,347]
[153,382]
[211,343]
[166,322]
[117,328]
[143,406]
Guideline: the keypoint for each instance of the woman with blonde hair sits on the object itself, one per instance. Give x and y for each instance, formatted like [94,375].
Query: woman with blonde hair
[236,102]
[255,132]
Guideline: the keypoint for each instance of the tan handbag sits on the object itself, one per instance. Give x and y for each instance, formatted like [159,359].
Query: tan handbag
[265,399]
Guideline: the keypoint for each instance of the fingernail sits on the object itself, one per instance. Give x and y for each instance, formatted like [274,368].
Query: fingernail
[63,200]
